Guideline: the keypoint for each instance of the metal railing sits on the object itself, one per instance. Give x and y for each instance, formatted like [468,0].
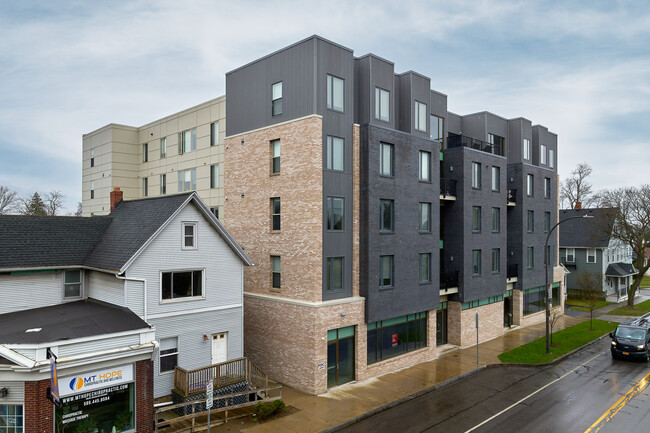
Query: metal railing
[448,279]
[513,271]
[512,196]
[188,382]
[463,141]
[447,187]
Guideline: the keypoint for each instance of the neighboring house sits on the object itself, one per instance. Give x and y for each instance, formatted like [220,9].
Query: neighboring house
[380,223]
[586,246]
[119,300]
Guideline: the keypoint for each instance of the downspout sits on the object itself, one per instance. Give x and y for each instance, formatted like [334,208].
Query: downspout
[144,297]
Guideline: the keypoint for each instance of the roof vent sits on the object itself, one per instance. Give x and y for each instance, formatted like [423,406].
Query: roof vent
[33,330]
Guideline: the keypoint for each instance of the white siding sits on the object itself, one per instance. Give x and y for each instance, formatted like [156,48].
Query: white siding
[223,283]
[98,344]
[16,393]
[30,290]
[105,287]
[194,351]
[134,297]
[29,353]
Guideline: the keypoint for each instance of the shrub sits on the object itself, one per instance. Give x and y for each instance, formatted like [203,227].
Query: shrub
[266,410]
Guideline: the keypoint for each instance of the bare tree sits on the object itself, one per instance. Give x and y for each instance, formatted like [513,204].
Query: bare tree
[591,285]
[33,205]
[8,200]
[632,226]
[576,188]
[552,321]
[78,211]
[53,202]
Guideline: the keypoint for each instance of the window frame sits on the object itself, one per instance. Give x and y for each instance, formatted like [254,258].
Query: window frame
[276,145]
[92,190]
[496,178]
[496,260]
[382,155]
[194,236]
[530,258]
[330,226]
[427,262]
[276,102]
[427,229]
[530,185]
[276,273]
[163,148]
[192,297]
[588,255]
[547,222]
[182,181]
[572,255]
[92,157]
[420,116]
[542,155]
[214,133]
[329,273]
[380,94]
[333,145]
[551,158]
[145,187]
[547,187]
[145,152]
[476,219]
[74,283]
[276,217]
[15,427]
[476,262]
[391,270]
[526,149]
[382,219]
[163,184]
[424,173]
[214,176]
[331,93]
[530,221]
[183,146]
[440,127]
[496,220]
[165,355]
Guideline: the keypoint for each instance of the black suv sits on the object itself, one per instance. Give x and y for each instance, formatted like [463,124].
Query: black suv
[631,339]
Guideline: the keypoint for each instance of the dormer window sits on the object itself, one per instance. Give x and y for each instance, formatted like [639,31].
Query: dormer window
[189,236]
[72,284]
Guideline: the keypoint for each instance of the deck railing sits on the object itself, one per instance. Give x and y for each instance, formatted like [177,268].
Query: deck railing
[447,187]
[189,382]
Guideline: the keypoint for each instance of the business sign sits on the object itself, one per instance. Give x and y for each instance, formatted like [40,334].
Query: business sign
[95,380]
[54,381]
[209,389]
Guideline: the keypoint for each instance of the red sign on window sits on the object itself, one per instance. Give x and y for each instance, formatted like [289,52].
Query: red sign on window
[394,340]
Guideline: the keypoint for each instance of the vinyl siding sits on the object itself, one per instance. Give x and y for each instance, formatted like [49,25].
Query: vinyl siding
[16,393]
[105,287]
[32,290]
[98,345]
[134,299]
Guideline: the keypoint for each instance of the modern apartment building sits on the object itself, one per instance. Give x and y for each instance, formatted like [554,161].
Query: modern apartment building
[380,223]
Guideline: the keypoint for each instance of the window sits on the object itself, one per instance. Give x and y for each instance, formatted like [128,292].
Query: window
[92,157]
[163,184]
[476,175]
[547,222]
[496,260]
[496,219]
[389,338]
[476,218]
[530,226]
[476,262]
[335,213]
[168,354]
[526,149]
[145,187]
[570,254]
[275,156]
[163,147]
[386,215]
[181,284]
[420,116]
[92,190]
[275,213]
[186,141]
[496,179]
[529,185]
[547,254]
[425,166]
[214,176]
[214,133]
[276,99]
[591,255]
[425,217]
[437,128]
[189,236]
[481,302]
[547,187]
[386,159]
[542,154]
[187,180]
[275,272]
[215,211]
[334,274]
[385,271]
[12,418]
[551,158]
[145,152]
[72,283]
[335,153]
[425,268]
[530,258]
[497,144]
[382,104]
[334,93]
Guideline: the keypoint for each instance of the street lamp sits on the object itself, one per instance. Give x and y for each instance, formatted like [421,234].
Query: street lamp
[548,289]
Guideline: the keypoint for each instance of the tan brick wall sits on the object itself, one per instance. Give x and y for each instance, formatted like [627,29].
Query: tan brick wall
[490,322]
[248,190]
[454,323]
[356,203]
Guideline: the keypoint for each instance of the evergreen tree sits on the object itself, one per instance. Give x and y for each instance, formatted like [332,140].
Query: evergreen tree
[34,206]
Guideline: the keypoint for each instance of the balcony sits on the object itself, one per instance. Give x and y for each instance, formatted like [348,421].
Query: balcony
[512,197]
[462,141]
[447,189]
[513,271]
[448,280]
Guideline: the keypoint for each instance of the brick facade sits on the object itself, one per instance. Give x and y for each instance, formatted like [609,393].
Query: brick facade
[462,323]
[144,410]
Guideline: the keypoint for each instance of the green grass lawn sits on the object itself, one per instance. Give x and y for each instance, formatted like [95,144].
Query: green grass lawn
[566,340]
[645,281]
[637,310]
[581,305]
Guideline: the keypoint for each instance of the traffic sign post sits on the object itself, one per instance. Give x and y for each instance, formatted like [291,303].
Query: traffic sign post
[209,389]
[476,338]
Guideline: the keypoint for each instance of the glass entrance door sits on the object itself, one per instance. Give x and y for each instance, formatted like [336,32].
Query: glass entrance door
[507,309]
[441,324]
[340,356]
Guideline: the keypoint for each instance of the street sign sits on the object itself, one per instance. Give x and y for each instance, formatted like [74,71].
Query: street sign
[209,388]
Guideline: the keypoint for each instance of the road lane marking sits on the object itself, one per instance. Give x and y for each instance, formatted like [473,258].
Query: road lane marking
[533,393]
[609,414]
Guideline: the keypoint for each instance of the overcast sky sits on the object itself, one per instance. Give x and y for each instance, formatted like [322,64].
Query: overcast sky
[69,67]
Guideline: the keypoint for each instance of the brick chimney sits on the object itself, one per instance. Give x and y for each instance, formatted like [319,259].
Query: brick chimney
[578,205]
[116,197]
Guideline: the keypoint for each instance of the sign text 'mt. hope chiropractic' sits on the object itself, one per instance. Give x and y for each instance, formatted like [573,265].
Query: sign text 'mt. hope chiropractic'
[96,379]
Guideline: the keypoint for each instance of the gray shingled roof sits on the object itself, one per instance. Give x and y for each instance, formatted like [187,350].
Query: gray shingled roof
[586,232]
[67,321]
[621,269]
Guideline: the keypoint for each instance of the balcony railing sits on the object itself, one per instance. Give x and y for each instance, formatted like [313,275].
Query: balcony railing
[513,271]
[512,196]
[463,141]
[448,279]
[447,187]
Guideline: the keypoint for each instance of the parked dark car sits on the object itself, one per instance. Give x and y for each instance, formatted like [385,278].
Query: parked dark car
[631,339]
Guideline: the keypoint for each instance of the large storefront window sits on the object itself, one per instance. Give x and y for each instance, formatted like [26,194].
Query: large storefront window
[98,401]
[11,418]
[535,298]
[393,337]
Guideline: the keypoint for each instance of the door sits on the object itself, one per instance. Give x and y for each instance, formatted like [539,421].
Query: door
[507,311]
[441,324]
[219,347]
[340,356]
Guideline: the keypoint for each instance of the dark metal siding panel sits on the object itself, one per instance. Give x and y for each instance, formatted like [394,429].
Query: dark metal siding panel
[458,238]
[382,75]
[405,112]
[474,126]
[497,126]
[454,123]
[408,295]
[362,90]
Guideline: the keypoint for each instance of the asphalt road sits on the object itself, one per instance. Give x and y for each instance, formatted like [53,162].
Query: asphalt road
[576,395]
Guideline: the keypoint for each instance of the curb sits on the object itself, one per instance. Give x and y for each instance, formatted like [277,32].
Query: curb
[448,382]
